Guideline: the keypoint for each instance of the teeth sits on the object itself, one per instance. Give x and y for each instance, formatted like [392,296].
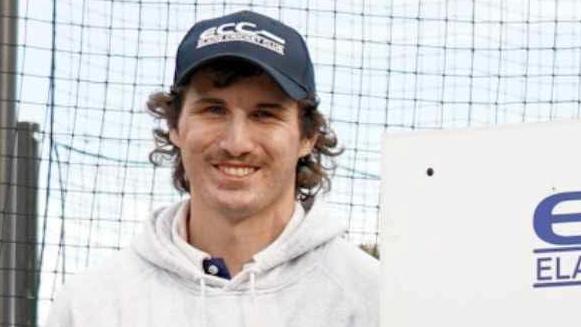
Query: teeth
[237,171]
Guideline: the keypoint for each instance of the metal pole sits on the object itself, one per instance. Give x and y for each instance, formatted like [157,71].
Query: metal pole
[8,53]
[26,275]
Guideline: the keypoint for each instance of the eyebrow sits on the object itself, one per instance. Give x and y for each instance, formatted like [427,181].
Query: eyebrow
[210,100]
[271,105]
[267,105]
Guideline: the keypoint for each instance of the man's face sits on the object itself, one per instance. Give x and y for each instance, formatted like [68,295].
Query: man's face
[239,144]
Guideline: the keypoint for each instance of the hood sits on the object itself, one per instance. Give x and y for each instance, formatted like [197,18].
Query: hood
[304,232]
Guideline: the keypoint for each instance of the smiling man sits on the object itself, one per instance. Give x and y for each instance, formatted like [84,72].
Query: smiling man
[252,245]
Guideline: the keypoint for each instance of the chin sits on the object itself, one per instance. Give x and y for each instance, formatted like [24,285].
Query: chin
[238,208]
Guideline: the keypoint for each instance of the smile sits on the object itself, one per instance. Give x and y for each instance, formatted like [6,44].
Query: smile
[236,171]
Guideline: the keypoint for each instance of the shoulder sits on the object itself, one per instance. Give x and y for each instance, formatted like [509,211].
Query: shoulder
[357,274]
[98,289]
[355,270]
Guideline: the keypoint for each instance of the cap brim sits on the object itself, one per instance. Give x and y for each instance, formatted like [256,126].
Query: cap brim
[289,86]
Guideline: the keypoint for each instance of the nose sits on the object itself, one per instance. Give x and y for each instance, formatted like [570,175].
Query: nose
[237,137]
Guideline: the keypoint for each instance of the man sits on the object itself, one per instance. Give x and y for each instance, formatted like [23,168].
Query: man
[251,246]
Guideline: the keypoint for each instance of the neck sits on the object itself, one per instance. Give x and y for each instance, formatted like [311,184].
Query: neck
[236,239]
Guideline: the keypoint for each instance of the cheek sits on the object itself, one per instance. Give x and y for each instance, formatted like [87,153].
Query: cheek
[199,138]
[192,145]
[285,145]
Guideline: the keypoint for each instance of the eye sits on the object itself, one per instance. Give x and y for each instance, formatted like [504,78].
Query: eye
[215,110]
[263,114]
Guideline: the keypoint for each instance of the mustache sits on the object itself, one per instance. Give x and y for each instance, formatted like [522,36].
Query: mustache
[222,156]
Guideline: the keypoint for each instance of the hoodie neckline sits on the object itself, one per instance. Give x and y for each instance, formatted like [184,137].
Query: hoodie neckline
[179,232]
[161,244]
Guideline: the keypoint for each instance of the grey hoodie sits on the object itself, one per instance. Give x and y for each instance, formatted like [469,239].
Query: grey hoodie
[309,276]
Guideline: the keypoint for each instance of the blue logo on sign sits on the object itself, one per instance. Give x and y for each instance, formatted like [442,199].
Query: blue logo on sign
[559,265]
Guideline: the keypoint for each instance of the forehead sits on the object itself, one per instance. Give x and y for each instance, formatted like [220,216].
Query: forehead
[206,82]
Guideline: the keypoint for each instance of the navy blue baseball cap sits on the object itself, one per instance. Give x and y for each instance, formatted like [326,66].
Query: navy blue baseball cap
[275,47]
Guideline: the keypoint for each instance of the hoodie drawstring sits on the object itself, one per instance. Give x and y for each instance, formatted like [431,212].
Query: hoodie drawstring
[203,300]
[253,287]
[255,317]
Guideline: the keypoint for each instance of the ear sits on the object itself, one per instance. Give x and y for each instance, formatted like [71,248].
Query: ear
[307,145]
[174,137]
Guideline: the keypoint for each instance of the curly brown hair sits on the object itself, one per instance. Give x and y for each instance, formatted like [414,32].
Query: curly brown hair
[312,174]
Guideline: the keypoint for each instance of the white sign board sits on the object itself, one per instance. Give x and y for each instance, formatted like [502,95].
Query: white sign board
[482,227]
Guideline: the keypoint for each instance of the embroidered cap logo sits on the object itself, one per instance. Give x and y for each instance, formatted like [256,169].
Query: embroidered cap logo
[244,32]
